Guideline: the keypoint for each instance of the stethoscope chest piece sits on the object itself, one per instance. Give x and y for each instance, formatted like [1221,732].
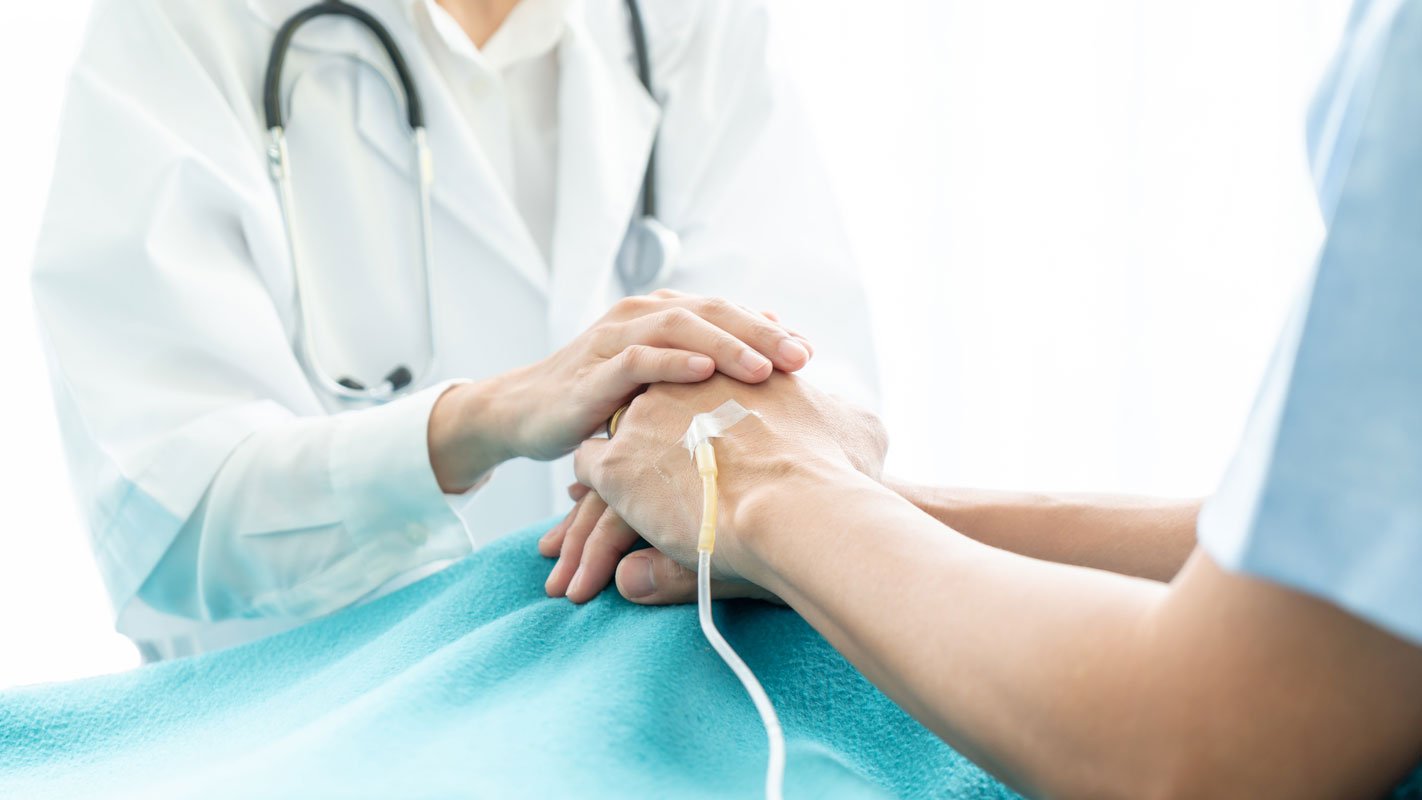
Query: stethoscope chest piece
[648,255]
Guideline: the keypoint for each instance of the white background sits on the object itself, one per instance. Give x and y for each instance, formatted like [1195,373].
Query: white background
[1081,225]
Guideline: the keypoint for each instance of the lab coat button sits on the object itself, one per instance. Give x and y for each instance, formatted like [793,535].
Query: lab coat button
[416,533]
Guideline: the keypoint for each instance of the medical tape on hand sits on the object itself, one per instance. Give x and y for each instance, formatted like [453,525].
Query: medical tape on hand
[711,424]
[705,427]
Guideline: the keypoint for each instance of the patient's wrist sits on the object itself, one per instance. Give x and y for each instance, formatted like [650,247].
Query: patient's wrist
[797,504]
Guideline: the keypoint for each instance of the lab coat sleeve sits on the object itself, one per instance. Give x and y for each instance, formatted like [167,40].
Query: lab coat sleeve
[742,180]
[161,287]
[1325,493]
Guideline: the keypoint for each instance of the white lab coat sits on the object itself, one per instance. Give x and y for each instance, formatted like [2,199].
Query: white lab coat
[165,292]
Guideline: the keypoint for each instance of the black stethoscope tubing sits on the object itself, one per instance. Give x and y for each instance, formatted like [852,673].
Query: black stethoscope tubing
[414,106]
[652,242]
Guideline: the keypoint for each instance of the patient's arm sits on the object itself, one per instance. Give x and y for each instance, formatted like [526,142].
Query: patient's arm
[1144,537]
[1137,536]
[1077,683]
[1066,681]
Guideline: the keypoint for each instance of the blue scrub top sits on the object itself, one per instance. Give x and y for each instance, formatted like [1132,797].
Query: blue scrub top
[1325,494]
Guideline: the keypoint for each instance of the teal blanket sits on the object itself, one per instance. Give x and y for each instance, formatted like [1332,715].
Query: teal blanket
[472,683]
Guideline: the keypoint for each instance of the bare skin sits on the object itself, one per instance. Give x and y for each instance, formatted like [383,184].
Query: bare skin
[1064,680]
[1140,536]
[544,410]
[1144,537]
[480,19]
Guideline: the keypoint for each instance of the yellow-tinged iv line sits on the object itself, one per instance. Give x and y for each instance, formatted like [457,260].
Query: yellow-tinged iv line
[698,440]
[706,466]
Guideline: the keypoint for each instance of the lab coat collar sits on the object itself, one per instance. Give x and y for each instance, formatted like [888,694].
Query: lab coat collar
[607,124]
[533,27]
[331,38]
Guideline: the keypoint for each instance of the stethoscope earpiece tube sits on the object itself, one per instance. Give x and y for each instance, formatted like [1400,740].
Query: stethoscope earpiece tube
[271,88]
[649,248]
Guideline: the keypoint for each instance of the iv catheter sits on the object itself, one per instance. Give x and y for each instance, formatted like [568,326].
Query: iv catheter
[698,439]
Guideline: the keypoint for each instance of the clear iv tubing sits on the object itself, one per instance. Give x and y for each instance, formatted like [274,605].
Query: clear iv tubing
[706,544]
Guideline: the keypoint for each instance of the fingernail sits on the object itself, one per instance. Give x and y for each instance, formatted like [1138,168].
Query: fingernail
[558,569]
[753,361]
[699,364]
[793,352]
[549,535]
[637,580]
[575,583]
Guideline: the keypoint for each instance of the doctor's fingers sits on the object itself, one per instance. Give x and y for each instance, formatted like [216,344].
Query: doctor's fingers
[615,379]
[589,509]
[787,349]
[653,578]
[682,329]
[774,317]
[603,546]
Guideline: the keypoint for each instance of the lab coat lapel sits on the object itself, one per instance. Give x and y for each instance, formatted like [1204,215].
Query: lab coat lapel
[606,124]
[465,185]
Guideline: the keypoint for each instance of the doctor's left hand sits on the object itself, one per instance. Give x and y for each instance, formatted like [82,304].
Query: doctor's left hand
[546,409]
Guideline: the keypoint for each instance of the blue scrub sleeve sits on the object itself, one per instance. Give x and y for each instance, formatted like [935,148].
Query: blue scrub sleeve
[1325,494]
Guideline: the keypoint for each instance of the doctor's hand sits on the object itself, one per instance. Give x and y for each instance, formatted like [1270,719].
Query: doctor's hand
[647,478]
[544,410]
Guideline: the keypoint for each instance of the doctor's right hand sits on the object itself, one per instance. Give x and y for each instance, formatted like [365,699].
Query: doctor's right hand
[546,409]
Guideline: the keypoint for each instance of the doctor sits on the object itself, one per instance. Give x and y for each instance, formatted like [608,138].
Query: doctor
[228,492]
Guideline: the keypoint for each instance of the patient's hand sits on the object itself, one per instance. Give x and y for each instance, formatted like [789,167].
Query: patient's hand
[649,479]
[590,543]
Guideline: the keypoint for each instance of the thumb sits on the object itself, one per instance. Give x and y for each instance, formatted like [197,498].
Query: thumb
[652,578]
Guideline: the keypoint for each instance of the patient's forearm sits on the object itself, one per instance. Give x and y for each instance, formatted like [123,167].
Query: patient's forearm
[1071,682]
[993,663]
[1143,537]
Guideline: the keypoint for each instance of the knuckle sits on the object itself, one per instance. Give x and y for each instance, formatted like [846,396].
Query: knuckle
[667,294]
[633,306]
[766,330]
[605,335]
[635,357]
[717,306]
[605,529]
[872,424]
[675,319]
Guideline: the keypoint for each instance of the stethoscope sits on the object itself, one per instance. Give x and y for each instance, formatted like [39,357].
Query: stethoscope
[647,255]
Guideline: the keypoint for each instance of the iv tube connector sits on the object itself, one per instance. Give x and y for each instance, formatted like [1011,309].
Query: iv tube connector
[706,466]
